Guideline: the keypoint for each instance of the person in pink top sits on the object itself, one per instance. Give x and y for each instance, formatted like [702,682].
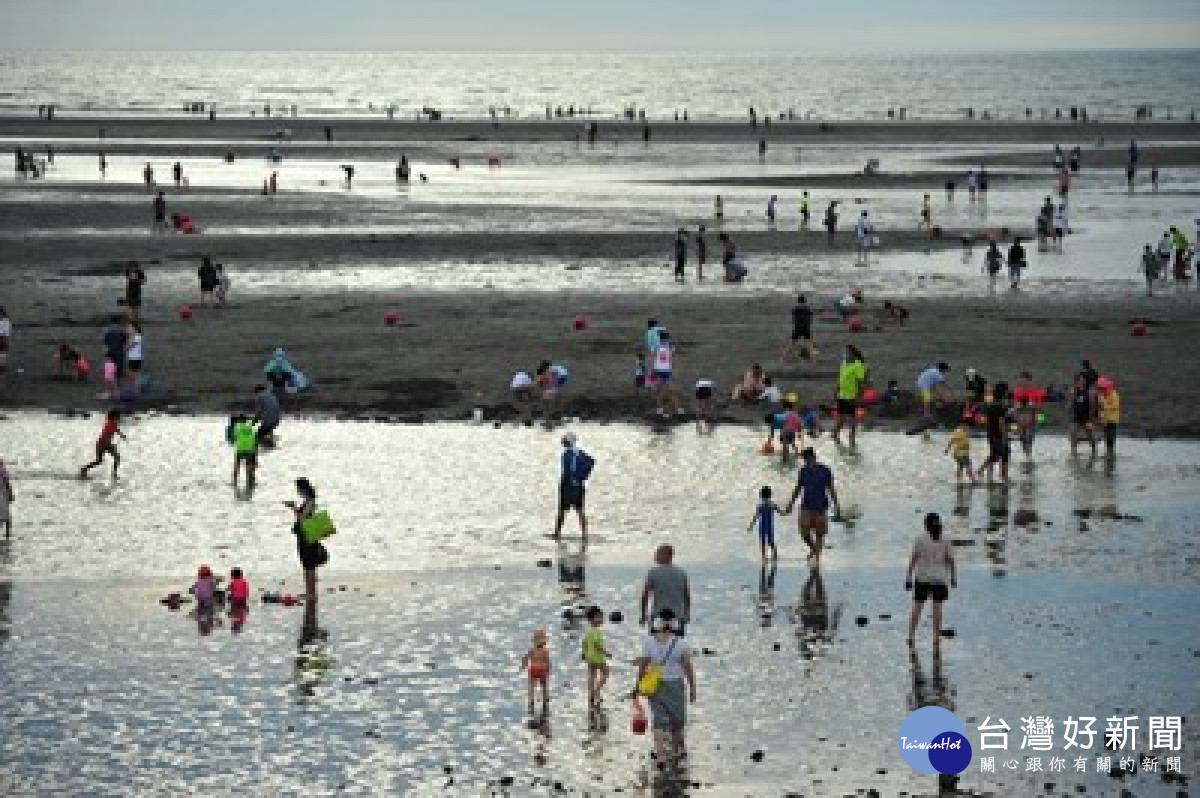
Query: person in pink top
[205,588]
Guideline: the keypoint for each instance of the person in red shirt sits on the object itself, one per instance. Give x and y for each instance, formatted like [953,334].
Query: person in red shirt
[105,445]
[239,589]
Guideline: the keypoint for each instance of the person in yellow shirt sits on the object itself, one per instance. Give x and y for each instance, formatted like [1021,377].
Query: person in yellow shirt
[851,376]
[1109,413]
[959,447]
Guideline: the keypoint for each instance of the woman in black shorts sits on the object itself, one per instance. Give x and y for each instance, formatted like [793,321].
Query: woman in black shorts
[312,555]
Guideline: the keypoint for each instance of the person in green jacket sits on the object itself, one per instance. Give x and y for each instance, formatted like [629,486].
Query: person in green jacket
[245,449]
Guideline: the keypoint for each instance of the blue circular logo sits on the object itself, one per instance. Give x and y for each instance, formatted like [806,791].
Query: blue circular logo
[933,740]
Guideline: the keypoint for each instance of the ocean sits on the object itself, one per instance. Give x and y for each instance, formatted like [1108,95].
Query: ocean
[709,85]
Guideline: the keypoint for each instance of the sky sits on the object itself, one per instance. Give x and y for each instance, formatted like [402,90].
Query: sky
[819,27]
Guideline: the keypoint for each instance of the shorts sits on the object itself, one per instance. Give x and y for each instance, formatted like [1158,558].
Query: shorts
[816,520]
[1027,435]
[787,436]
[134,365]
[926,396]
[265,430]
[704,392]
[927,590]
[134,302]
[639,381]
[251,458]
[663,377]
[103,448]
[846,407]
[767,538]
[998,451]
[570,497]
[538,673]
[963,461]
[801,334]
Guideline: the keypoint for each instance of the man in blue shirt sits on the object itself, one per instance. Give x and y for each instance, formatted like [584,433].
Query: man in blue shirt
[570,487]
[814,488]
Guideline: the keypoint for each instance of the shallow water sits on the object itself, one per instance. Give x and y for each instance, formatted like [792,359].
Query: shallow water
[1077,596]
[708,84]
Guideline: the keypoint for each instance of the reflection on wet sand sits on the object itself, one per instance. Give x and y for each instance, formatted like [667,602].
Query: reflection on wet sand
[6,587]
[816,626]
[766,593]
[313,660]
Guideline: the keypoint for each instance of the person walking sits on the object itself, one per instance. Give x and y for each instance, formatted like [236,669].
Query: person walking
[932,565]
[576,468]
[681,248]
[801,343]
[831,220]
[1016,263]
[1150,268]
[667,588]
[670,656]
[7,497]
[267,415]
[312,553]
[851,375]
[209,280]
[997,415]
[815,490]
[135,278]
[701,252]
[6,330]
[160,212]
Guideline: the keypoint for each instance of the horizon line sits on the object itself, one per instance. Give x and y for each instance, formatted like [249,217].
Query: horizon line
[614,51]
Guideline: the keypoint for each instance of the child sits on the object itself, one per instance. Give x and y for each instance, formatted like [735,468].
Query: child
[764,514]
[537,663]
[205,588]
[83,369]
[1027,425]
[239,590]
[959,446]
[640,371]
[790,432]
[595,655]
[771,393]
[109,372]
[706,403]
[245,449]
[105,445]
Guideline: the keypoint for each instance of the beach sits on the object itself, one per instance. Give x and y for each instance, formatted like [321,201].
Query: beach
[454,262]
[544,234]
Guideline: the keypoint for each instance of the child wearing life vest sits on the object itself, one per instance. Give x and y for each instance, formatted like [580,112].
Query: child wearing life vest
[536,664]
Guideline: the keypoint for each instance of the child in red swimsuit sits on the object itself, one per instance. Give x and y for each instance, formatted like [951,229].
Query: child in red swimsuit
[537,663]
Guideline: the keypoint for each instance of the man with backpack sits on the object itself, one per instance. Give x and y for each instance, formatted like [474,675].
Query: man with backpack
[576,468]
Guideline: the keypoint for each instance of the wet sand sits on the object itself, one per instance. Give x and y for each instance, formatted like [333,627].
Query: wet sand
[1077,595]
[379,129]
[454,351]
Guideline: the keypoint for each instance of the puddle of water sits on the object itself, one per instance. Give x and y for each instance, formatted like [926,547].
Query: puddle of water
[1077,597]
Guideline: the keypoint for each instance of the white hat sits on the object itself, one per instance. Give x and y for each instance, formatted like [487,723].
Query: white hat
[569,439]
